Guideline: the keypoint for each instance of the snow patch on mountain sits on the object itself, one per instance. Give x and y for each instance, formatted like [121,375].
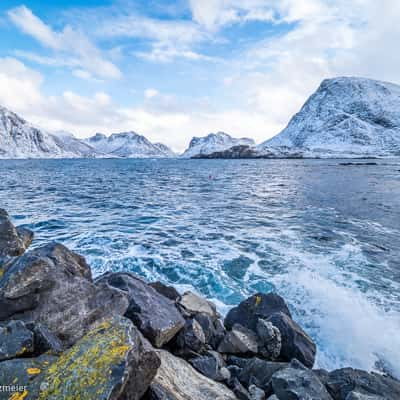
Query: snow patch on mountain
[212,143]
[345,117]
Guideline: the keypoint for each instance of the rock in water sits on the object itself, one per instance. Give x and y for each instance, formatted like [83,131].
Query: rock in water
[16,340]
[260,305]
[270,339]
[167,291]
[178,380]
[295,342]
[13,241]
[155,315]
[296,382]
[52,285]
[108,363]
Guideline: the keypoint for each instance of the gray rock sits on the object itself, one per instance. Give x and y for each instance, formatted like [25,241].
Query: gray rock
[191,338]
[13,241]
[52,286]
[178,380]
[273,397]
[295,342]
[155,315]
[296,382]
[359,396]
[270,339]
[16,340]
[214,330]
[260,305]
[211,365]
[193,304]
[239,341]
[44,340]
[167,291]
[342,382]
[108,363]
[256,393]
[259,372]
[239,390]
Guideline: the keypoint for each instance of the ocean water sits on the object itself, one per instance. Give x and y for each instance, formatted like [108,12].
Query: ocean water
[324,235]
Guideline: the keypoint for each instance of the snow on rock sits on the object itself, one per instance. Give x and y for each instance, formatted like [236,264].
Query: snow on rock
[345,117]
[212,143]
[128,145]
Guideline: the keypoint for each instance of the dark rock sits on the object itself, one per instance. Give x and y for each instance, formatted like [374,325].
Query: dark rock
[52,286]
[22,377]
[239,390]
[259,372]
[214,330]
[359,396]
[44,340]
[239,341]
[191,338]
[256,393]
[167,291]
[210,365]
[296,382]
[295,342]
[108,363]
[270,339]
[342,382]
[258,306]
[155,315]
[16,340]
[13,241]
[178,380]
[193,304]
[238,361]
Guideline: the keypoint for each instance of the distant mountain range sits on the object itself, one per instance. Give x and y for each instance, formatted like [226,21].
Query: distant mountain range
[345,117]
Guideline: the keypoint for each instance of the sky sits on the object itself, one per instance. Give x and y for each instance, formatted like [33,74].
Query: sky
[176,69]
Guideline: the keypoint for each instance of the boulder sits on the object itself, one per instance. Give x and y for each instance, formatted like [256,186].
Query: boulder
[296,382]
[256,393]
[210,365]
[359,396]
[20,378]
[13,241]
[52,286]
[342,382]
[108,363]
[295,342]
[270,339]
[155,315]
[260,305]
[214,330]
[44,340]
[239,390]
[167,291]
[16,340]
[193,304]
[191,338]
[178,380]
[239,341]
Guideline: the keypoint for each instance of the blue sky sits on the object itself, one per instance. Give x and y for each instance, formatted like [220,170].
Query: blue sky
[176,69]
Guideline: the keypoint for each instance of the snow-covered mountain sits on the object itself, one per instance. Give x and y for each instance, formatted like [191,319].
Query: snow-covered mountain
[212,143]
[165,150]
[68,141]
[128,145]
[20,139]
[345,117]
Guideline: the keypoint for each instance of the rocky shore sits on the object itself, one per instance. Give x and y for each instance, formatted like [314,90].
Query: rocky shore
[65,335]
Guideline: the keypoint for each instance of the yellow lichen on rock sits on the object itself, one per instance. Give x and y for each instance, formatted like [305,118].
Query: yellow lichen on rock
[33,371]
[19,396]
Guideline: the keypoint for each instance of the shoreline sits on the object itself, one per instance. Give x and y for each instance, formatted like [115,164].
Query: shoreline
[67,335]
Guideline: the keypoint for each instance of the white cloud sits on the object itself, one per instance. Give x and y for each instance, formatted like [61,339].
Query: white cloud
[72,47]
[150,93]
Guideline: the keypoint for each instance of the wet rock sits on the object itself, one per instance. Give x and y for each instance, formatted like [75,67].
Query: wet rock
[178,380]
[108,363]
[13,241]
[259,372]
[256,393]
[270,339]
[16,340]
[191,338]
[22,377]
[296,382]
[167,291]
[52,286]
[44,340]
[210,365]
[258,306]
[155,315]
[342,382]
[193,304]
[239,341]
[295,342]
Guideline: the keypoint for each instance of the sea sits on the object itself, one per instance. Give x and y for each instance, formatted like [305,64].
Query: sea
[324,234]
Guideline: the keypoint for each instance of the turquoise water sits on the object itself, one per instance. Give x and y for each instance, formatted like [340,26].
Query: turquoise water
[324,235]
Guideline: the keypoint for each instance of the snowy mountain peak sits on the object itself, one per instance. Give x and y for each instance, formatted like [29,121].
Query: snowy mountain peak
[346,116]
[212,143]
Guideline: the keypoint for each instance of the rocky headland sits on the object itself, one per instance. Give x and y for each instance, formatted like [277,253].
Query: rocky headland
[66,335]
